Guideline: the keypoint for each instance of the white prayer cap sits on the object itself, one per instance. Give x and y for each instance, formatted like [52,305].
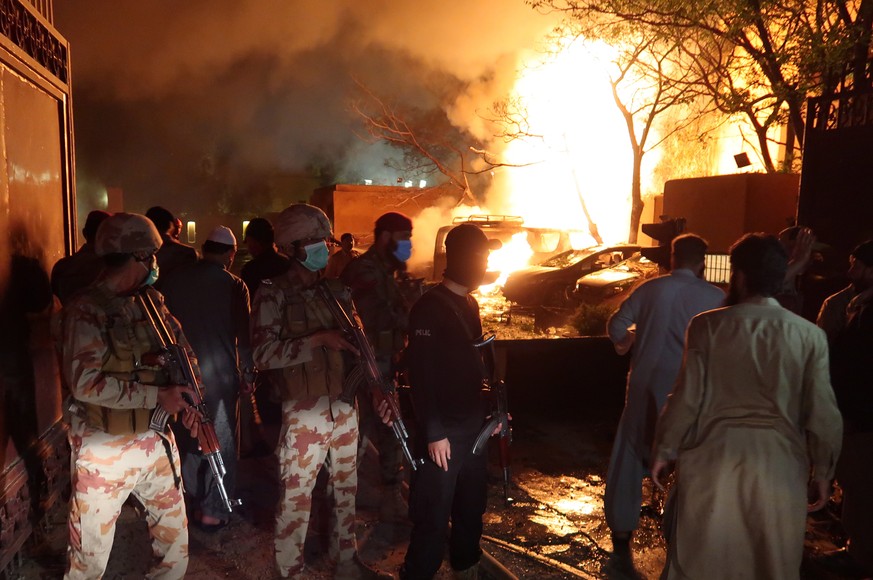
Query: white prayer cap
[222,235]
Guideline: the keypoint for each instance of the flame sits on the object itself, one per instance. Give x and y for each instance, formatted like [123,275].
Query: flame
[583,150]
[514,255]
[578,151]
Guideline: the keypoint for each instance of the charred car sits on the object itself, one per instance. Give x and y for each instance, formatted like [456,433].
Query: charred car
[609,285]
[553,282]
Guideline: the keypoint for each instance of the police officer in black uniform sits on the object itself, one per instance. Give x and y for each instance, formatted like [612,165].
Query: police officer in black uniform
[446,376]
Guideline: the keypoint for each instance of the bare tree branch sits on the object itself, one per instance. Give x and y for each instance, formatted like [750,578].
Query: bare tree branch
[429,141]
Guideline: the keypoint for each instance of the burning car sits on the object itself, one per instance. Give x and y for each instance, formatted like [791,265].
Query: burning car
[553,282]
[530,243]
[608,284]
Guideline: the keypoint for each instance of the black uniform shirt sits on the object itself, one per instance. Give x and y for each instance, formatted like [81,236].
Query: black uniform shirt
[267,265]
[445,371]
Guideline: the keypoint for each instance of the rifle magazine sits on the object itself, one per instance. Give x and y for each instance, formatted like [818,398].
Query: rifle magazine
[158,421]
[484,435]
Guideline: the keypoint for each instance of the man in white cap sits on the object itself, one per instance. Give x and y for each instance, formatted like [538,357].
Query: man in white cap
[213,307]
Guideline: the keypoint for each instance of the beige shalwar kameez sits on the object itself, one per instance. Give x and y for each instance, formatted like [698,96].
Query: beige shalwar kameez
[753,409]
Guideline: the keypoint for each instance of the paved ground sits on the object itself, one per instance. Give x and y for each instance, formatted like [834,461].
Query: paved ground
[565,397]
[554,529]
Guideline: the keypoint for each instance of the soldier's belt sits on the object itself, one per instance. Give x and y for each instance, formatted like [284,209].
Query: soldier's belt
[116,421]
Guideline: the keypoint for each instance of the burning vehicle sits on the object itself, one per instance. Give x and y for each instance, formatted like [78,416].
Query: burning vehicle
[554,281]
[610,284]
[521,244]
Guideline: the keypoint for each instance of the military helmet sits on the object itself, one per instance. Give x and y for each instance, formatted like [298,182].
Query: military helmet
[127,233]
[300,221]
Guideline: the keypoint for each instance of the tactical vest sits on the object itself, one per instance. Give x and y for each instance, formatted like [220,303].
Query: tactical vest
[129,336]
[305,313]
[387,342]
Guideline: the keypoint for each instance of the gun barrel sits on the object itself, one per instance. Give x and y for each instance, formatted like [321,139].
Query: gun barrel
[181,363]
[507,478]
[216,464]
[413,462]
[370,368]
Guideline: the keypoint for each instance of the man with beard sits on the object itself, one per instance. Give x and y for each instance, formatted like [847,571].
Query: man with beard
[752,411]
[847,318]
[297,340]
[213,307]
[660,309]
[446,376]
[384,314]
[106,337]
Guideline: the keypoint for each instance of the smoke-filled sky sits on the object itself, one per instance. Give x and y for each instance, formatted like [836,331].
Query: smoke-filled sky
[199,100]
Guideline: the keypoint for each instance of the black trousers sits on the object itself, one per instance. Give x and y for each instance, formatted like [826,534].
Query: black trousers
[461,494]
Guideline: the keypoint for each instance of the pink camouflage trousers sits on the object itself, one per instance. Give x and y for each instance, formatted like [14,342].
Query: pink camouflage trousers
[314,430]
[106,470]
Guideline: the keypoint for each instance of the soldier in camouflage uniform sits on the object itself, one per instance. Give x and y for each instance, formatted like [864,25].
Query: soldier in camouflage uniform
[105,348]
[384,311]
[295,337]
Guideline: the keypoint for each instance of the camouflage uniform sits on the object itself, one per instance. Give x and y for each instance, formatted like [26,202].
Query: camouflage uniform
[114,453]
[384,314]
[316,425]
[381,305]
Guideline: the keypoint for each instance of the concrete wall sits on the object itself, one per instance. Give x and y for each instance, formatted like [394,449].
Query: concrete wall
[354,208]
[722,208]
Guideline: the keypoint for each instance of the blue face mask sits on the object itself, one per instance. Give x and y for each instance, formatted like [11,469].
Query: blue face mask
[316,256]
[153,272]
[403,250]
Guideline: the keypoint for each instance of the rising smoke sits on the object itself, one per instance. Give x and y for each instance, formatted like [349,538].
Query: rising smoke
[200,102]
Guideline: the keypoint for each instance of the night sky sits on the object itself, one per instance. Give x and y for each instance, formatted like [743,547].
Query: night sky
[198,102]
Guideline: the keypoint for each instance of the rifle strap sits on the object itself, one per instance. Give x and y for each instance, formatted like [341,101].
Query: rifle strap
[168,448]
[465,327]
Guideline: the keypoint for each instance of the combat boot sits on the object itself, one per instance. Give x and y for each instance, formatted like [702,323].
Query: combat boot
[355,569]
[471,573]
[393,506]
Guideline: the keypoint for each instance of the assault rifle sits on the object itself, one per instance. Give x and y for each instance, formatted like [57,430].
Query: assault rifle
[371,374]
[175,360]
[499,416]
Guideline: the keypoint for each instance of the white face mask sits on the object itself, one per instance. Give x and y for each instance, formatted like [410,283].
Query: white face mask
[316,256]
